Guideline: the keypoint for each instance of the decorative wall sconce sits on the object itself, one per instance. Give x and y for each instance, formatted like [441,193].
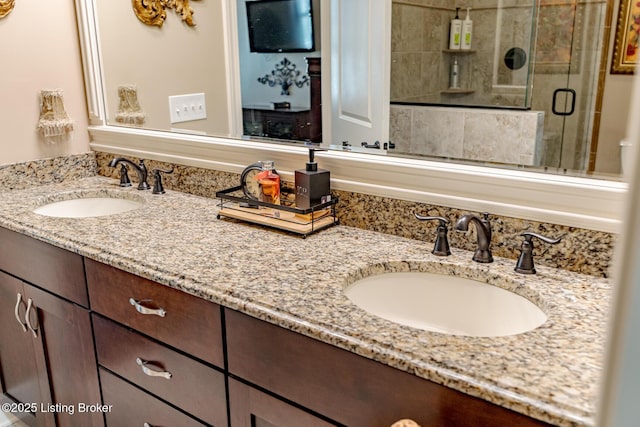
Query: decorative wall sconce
[54,121]
[129,111]
[285,75]
[6,6]
[153,12]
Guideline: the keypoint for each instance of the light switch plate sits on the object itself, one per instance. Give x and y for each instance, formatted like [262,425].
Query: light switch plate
[185,108]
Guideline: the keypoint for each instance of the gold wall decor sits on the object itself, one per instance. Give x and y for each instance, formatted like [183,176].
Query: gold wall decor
[153,12]
[6,6]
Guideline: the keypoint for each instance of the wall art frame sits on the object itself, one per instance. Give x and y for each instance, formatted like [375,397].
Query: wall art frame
[626,51]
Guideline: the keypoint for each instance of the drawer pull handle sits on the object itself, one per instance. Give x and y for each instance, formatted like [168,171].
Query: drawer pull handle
[17,313]
[27,318]
[152,372]
[144,310]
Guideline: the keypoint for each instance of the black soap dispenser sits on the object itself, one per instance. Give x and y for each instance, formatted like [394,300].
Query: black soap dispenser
[312,184]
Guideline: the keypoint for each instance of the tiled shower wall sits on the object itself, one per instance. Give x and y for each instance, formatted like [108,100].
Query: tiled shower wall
[500,136]
[568,50]
[420,62]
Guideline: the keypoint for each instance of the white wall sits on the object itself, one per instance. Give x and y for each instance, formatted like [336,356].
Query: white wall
[616,100]
[39,50]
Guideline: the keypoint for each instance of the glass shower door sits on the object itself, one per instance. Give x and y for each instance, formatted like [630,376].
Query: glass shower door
[568,51]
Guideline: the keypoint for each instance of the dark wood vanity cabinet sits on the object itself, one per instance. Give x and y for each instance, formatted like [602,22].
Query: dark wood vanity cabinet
[157,355]
[47,356]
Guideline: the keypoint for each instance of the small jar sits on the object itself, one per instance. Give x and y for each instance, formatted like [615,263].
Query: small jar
[269,182]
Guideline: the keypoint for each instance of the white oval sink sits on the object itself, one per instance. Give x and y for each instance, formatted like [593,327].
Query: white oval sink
[85,207]
[445,304]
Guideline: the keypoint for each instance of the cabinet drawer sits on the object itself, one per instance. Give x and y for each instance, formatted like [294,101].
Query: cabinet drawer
[345,387]
[189,323]
[192,386]
[133,407]
[54,269]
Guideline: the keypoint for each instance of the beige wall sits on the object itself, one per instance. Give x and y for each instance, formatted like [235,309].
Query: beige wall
[613,123]
[39,50]
[174,59]
[616,102]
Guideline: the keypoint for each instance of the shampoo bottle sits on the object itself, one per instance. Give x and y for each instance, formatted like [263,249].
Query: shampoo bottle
[312,184]
[454,75]
[455,31]
[467,30]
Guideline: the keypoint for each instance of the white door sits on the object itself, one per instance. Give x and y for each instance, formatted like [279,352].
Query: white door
[360,69]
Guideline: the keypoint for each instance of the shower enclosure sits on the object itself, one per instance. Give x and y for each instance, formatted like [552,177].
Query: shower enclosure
[538,55]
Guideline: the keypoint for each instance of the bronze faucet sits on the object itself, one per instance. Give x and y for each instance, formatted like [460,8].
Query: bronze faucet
[140,169]
[483,231]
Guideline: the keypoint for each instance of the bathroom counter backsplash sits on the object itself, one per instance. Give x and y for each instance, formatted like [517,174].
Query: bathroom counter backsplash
[550,373]
[581,250]
[18,176]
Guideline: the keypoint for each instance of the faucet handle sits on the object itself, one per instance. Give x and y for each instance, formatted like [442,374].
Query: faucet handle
[158,188]
[124,176]
[441,246]
[525,261]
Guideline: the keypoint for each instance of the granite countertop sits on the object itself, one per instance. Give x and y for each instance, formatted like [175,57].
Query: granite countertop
[551,373]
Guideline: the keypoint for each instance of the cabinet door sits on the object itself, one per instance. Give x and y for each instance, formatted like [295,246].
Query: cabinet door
[65,357]
[253,408]
[18,370]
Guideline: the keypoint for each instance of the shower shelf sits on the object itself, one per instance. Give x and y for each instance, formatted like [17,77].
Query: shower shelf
[459,51]
[457,91]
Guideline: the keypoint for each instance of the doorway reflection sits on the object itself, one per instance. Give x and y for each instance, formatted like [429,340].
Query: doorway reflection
[280,69]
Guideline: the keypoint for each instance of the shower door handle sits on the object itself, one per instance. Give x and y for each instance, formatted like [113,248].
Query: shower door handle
[555,102]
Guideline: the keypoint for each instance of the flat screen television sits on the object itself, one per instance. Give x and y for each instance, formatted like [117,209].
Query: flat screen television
[280,26]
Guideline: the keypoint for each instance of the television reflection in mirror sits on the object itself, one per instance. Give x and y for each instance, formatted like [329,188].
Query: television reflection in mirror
[280,26]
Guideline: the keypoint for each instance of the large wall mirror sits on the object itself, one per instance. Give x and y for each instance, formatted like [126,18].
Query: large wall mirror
[520,56]
[537,62]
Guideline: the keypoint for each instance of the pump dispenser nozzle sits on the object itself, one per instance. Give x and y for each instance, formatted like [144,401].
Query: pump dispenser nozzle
[312,166]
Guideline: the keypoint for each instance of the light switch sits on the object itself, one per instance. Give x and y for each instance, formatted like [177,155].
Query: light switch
[185,108]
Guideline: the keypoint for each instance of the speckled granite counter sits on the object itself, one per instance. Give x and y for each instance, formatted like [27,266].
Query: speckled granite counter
[550,373]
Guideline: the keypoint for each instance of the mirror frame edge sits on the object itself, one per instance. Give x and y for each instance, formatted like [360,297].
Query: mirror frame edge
[232,67]
[91,65]
[578,202]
